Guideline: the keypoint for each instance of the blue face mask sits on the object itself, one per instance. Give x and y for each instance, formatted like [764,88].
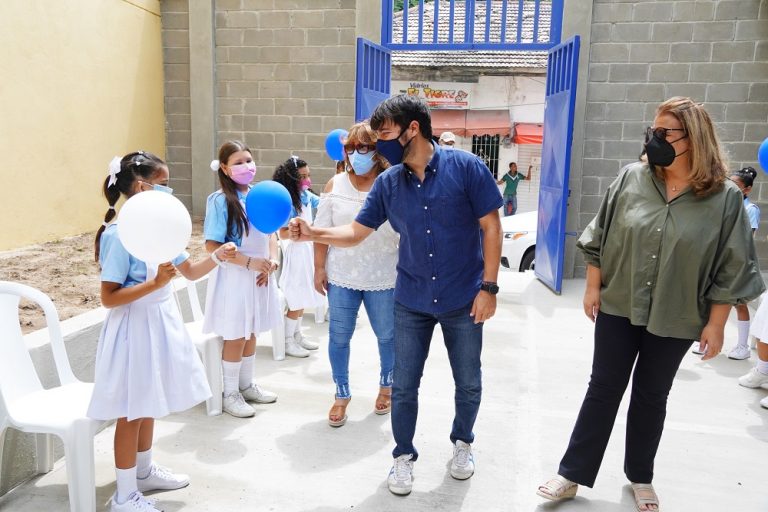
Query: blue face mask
[392,150]
[362,164]
[158,187]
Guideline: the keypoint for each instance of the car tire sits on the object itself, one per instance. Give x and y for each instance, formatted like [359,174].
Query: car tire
[527,263]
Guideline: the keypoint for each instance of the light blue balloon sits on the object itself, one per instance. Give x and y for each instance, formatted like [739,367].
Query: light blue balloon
[268,206]
[334,143]
[762,155]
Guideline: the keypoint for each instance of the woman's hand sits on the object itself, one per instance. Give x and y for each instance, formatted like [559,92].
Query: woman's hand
[226,252]
[262,279]
[261,265]
[711,341]
[321,280]
[165,272]
[592,302]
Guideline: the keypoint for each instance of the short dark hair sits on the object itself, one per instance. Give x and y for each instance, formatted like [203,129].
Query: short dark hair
[401,110]
[512,163]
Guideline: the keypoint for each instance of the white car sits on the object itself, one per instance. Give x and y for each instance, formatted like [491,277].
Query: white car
[519,247]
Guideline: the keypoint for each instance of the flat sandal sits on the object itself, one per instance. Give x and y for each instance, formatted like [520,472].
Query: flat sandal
[558,488]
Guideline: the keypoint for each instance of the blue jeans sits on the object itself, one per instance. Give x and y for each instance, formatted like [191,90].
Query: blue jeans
[510,205]
[343,305]
[464,341]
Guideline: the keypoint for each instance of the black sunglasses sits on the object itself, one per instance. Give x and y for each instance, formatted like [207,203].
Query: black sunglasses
[361,148]
[659,133]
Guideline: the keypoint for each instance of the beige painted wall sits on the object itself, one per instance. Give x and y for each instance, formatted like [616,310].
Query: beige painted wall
[82,81]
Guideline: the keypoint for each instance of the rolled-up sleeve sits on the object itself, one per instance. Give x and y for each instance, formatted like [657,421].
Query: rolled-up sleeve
[736,275]
[590,242]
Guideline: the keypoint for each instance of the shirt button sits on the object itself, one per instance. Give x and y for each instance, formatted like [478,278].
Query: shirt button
[658,229]
[430,255]
[435,301]
[429,231]
[418,186]
[653,256]
[648,283]
[434,277]
[425,207]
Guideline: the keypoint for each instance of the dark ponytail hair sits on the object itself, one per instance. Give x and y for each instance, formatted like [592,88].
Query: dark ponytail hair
[287,174]
[237,221]
[138,164]
[747,176]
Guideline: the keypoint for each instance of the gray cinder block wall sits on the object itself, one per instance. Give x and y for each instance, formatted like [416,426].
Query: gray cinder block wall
[642,52]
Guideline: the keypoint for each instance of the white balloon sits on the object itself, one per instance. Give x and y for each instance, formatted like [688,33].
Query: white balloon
[154,226]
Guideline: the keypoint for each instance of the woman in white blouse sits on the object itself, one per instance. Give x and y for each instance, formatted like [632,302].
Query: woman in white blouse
[361,274]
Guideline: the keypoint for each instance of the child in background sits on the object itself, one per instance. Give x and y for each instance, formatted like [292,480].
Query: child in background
[146,363]
[297,277]
[242,299]
[758,375]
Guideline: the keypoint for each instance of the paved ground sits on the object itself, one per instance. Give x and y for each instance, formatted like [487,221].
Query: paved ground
[536,366]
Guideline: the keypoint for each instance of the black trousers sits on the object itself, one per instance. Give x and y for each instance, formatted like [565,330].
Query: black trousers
[620,346]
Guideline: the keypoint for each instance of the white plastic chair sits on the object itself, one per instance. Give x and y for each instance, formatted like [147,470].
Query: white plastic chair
[26,406]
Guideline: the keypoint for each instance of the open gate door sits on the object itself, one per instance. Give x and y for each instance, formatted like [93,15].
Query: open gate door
[562,70]
[374,73]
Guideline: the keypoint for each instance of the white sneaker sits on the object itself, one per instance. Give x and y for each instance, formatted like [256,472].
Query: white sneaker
[400,479]
[739,353]
[136,502]
[697,348]
[463,464]
[754,379]
[254,393]
[234,404]
[293,349]
[764,402]
[161,479]
[304,342]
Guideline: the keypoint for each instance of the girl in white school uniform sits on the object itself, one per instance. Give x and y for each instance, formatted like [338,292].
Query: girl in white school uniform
[242,299]
[146,364]
[297,280]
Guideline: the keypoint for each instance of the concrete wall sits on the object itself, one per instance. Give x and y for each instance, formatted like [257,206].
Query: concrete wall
[642,52]
[283,77]
[82,82]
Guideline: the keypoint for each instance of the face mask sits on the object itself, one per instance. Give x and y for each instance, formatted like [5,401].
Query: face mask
[660,152]
[243,174]
[305,183]
[392,150]
[362,164]
[162,188]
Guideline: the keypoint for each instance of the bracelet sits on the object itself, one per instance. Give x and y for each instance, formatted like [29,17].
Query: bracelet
[216,259]
[275,264]
[248,264]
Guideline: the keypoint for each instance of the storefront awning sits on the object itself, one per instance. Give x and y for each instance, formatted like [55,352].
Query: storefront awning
[528,133]
[465,123]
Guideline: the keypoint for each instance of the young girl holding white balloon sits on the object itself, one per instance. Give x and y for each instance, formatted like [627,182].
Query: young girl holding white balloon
[242,300]
[146,364]
[297,280]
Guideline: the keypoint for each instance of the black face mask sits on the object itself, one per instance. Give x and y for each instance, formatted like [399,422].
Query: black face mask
[660,152]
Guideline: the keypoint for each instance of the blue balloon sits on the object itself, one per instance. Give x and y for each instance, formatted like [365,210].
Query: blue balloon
[762,155]
[268,206]
[334,144]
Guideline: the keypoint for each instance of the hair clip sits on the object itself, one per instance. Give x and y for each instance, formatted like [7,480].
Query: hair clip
[215,165]
[114,169]
[111,208]
[105,224]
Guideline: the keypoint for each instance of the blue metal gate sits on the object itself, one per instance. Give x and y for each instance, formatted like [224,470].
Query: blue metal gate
[374,74]
[562,70]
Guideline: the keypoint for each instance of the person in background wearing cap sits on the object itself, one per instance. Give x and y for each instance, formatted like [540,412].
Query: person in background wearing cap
[512,179]
[447,139]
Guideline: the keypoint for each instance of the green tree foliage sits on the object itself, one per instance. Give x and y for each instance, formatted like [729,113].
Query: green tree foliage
[399,4]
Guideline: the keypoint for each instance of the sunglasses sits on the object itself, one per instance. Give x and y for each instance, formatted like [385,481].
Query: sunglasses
[659,133]
[360,148]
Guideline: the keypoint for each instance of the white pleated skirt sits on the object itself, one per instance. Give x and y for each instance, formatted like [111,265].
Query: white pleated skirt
[236,307]
[297,279]
[146,364]
[759,326]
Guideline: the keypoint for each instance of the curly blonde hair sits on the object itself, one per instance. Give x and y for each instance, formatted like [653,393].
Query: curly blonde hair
[362,133]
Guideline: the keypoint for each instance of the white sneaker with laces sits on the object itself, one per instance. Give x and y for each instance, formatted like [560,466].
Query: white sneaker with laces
[304,342]
[136,502]
[754,379]
[764,402]
[161,479]
[463,464]
[739,353]
[400,479]
[697,348]
[235,405]
[254,393]
[293,349]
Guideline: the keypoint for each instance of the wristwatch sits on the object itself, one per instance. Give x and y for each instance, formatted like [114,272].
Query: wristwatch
[490,287]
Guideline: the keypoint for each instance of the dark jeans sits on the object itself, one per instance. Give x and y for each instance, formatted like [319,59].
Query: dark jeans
[618,344]
[464,341]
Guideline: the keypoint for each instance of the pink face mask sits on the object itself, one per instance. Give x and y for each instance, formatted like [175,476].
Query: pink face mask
[243,174]
[305,183]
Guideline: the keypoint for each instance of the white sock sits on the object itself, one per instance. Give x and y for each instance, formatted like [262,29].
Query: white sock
[126,484]
[290,328]
[231,374]
[743,326]
[762,366]
[246,371]
[298,324]
[143,464]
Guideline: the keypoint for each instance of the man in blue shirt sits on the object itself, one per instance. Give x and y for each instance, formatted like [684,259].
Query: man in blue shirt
[439,201]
